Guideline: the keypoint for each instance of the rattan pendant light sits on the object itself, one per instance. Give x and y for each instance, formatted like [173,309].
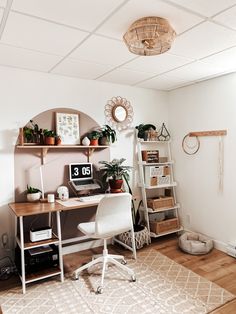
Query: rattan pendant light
[149,36]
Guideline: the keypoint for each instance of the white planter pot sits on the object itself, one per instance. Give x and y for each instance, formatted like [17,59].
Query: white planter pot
[33,197]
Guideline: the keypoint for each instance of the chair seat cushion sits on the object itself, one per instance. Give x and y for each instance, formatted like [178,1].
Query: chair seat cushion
[87,228]
[194,243]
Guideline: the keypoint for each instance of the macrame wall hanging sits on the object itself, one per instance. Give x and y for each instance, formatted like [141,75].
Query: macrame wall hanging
[191,145]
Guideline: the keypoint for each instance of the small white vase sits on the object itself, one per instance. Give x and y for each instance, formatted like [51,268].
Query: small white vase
[86,141]
[33,197]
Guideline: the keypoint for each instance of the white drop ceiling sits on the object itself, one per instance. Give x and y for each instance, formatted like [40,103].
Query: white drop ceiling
[83,38]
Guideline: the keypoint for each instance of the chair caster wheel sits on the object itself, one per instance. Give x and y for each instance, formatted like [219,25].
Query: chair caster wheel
[133,278]
[76,277]
[123,262]
[99,290]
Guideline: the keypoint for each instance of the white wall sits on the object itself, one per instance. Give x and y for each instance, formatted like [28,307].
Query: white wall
[210,105]
[24,94]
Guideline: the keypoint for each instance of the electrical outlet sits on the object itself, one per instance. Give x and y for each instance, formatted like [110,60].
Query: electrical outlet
[188,219]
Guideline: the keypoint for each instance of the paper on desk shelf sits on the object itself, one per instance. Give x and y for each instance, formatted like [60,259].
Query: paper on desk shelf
[70,202]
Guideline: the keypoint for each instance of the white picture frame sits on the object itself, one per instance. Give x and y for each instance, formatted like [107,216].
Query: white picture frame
[67,127]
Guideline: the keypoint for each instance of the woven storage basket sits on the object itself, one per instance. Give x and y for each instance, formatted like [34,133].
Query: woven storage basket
[164,226]
[160,203]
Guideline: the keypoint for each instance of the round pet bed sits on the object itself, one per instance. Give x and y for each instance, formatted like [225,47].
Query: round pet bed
[194,243]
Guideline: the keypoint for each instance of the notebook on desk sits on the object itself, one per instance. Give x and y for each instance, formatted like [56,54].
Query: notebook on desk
[81,176]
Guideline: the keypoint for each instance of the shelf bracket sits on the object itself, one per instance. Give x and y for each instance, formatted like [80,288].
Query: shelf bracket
[44,152]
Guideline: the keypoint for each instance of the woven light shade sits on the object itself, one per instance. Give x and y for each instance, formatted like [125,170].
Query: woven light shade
[149,36]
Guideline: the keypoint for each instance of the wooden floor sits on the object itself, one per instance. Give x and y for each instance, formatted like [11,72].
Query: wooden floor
[215,266]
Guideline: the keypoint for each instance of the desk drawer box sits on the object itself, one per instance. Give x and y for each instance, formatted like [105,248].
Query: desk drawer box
[164,226]
[161,202]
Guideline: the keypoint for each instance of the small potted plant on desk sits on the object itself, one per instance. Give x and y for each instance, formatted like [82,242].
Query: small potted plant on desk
[33,194]
[108,135]
[49,137]
[114,172]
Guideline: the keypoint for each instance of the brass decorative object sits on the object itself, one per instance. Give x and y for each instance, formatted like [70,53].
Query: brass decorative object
[149,36]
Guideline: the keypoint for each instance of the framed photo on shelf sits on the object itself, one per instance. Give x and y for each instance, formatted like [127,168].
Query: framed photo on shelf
[67,127]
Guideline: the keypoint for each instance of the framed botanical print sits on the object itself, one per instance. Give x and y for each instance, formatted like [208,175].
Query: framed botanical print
[67,127]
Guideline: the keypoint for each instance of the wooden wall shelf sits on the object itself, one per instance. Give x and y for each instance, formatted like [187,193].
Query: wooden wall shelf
[45,148]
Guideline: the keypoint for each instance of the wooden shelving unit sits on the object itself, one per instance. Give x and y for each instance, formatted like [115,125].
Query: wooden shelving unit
[148,186]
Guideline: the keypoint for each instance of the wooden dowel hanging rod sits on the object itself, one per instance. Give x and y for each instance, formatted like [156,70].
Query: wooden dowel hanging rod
[209,133]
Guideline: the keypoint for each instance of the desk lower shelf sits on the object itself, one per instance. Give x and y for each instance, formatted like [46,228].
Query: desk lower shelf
[41,274]
[30,245]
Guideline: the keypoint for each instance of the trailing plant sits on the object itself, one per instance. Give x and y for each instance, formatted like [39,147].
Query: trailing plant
[109,133]
[142,128]
[32,131]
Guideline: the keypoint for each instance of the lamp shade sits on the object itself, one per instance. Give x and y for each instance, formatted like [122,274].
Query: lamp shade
[149,36]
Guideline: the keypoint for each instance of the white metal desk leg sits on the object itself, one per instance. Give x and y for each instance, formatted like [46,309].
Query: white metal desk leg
[59,245]
[22,252]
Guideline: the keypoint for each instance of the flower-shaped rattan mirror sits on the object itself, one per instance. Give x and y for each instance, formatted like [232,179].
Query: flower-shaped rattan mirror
[119,113]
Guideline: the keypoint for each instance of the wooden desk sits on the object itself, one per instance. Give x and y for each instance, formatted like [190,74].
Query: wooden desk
[22,210]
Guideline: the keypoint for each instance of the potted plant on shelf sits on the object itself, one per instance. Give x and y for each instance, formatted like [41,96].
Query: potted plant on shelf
[32,133]
[114,172]
[143,130]
[49,137]
[108,135]
[32,194]
[94,136]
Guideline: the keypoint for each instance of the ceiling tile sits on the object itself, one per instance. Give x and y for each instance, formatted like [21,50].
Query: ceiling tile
[123,76]
[203,40]
[196,70]
[206,8]
[3,3]
[157,64]
[163,82]
[225,59]
[82,69]
[1,14]
[103,50]
[84,14]
[227,18]
[27,32]
[118,24]
[27,59]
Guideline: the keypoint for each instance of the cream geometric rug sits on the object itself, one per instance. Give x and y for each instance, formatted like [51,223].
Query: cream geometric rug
[162,287]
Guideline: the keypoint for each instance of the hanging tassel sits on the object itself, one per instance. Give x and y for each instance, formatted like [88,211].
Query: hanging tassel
[221,165]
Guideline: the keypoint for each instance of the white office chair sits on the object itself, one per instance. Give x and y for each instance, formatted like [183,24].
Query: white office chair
[113,217]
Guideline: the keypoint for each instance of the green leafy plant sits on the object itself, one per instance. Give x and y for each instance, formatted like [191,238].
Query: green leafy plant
[49,133]
[31,190]
[108,133]
[142,128]
[31,130]
[115,170]
[93,135]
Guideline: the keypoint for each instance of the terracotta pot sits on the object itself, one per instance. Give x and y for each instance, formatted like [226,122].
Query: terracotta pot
[115,185]
[103,141]
[49,140]
[94,142]
[58,141]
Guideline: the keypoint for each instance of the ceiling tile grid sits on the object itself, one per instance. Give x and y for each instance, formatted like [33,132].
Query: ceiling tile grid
[83,38]
[81,69]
